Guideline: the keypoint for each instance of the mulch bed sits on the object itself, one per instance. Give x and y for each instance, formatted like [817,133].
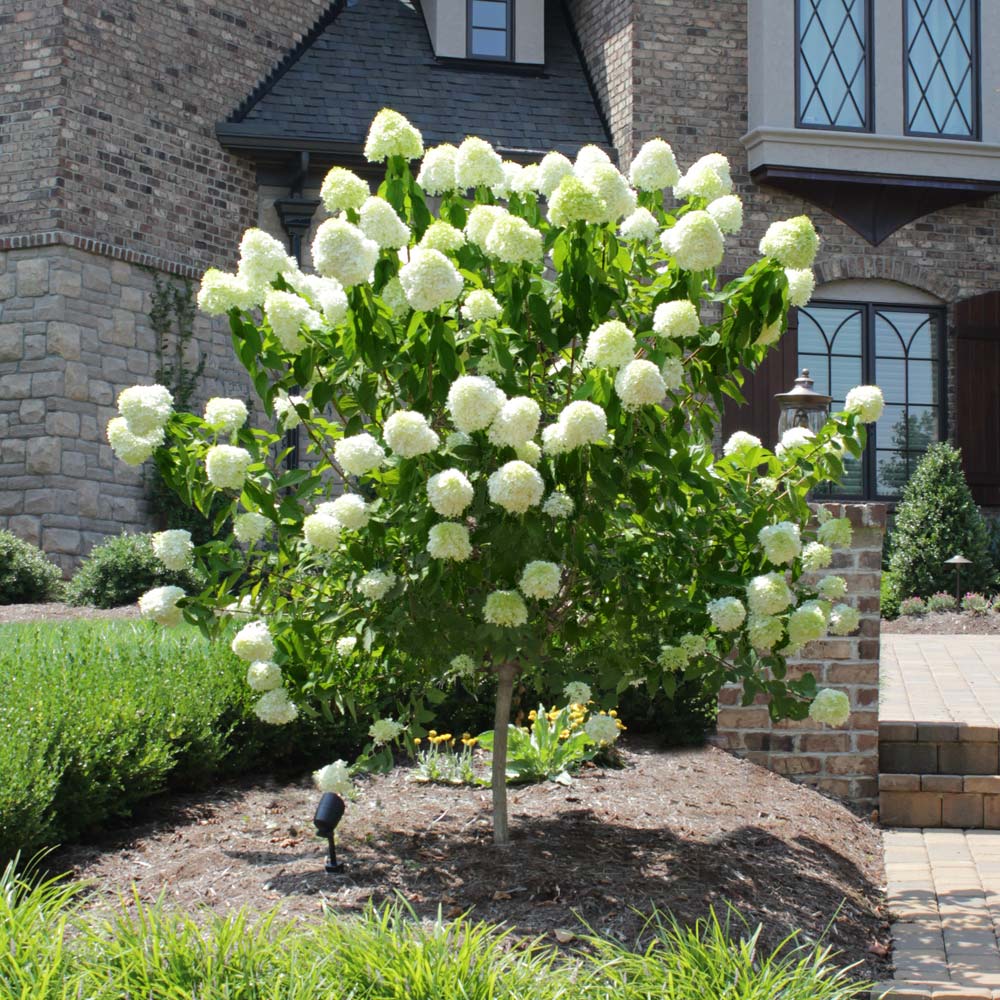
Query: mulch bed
[944,623]
[56,612]
[681,830]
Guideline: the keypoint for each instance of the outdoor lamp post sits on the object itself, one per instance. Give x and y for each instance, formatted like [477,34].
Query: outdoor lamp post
[802,407]
[329,813]
[958,562]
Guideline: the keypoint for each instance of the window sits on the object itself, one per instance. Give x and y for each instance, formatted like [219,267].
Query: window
[900,349]
[942,68]
[490,29]
[833,64]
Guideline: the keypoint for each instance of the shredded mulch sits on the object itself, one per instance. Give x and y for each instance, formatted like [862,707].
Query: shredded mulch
[944,623]
[55,612]
[682,831]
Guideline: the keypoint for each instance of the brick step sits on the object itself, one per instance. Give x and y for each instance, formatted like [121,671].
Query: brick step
[928,748]
[960,801]
[933,991]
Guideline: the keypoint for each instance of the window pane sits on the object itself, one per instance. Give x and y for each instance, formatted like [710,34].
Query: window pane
[832,63]
[891,472]
[901,334]
[489,14]
[486,42]
[941,66]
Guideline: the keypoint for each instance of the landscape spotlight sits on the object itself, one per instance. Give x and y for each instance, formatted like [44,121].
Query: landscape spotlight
[329,813]
[958,562]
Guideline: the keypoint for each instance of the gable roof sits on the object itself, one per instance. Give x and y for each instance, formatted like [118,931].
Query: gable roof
[364,55]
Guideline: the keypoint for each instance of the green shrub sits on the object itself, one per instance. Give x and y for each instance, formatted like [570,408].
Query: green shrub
[888,592]
[936,519]
[942,601]
[98,716]
[910,607]
[120,570]
[26,575]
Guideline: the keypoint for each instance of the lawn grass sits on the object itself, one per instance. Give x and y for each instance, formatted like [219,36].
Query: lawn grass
[50,951]
[97,716]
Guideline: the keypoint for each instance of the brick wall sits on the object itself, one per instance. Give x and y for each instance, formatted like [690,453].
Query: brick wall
[841,762]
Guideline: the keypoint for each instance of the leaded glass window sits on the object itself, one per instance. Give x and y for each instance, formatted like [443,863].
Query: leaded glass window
[942,68]
[833,64]
[898,348]
[490,29]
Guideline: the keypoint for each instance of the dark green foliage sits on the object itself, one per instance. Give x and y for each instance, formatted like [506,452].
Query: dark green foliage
[937,519]
[120,570]
[98,716]
[682,720]
[26,575]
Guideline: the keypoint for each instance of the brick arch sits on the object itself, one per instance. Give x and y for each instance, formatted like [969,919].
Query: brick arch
[887,269]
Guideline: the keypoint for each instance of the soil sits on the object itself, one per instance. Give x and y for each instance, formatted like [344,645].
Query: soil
[944,623]
[681,830]
[61,612]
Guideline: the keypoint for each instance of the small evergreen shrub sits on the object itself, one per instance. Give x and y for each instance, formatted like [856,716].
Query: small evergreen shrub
[936,519]
[120,570]
[976,603]
[26,575]
[889,600]
[912,606]
[942,601]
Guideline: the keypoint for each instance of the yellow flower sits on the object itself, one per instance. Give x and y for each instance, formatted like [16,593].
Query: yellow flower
[417,740]
[564,735]
[532,715]
[433,732]
[445,736]
[613,713]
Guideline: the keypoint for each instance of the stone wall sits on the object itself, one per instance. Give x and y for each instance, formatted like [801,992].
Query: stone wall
[841,762]
[74,331]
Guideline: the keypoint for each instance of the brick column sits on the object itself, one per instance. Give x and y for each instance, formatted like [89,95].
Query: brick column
[841,762]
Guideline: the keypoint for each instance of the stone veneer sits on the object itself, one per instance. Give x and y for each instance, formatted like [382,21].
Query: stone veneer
[841,762]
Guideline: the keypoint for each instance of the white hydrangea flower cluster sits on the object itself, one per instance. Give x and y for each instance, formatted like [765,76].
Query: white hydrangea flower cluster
[225,415]
[262,258]
[792,243]
[844,619]
[219,292]
[513,241]
[836,532]
[807,623]
[288,313]
[349,510]
[793,439]
[553,168]
[602,728]
[358,454]
[654,167]
[574,200]
[801,285]
[346,645]
[505,608]
[695,242]
[611,345]
[611,186]
[672,658]
[677,319]
[481,305]
[577,693]
[437,172]
[276,708]
[579,424]
[285,411]
[343,190]
[740,441]
[384,731]
[516,423]
[429,279]
[322,531]
[640,225]
[558,506]
[480,222]
[866,402]
[727,613]
[132,449]
[816,555]
[781,542]
[254,642]
[463,665]
[334,778]
[340,250]
[727,212]
[516,486]
[528,451]
[641,383]
[160,605]
[173,548]
[391,134]
[146,409]
[394,297]
[442,236]
[769,594]
[449,541]
[450,492]
[408,434]
[764,632]
[541,580]
[832,708]
[473,402]
[830,588]
[707,178]
[226,466]
[380,223]
[694,645]
[477,164]
[264,675]
[376,584]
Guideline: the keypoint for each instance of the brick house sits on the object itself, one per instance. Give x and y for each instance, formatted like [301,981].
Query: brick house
[141,136]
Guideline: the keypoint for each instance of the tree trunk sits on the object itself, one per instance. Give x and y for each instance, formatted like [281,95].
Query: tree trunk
[501,720]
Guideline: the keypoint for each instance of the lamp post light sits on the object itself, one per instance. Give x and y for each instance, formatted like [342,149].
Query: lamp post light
[329,813]
[801,406]
[958,562]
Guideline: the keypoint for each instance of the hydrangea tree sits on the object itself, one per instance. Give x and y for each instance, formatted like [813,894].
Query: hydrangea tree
[509,408]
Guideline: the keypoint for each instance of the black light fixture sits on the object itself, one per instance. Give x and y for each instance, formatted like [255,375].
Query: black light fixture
[958,562]
[329,813]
